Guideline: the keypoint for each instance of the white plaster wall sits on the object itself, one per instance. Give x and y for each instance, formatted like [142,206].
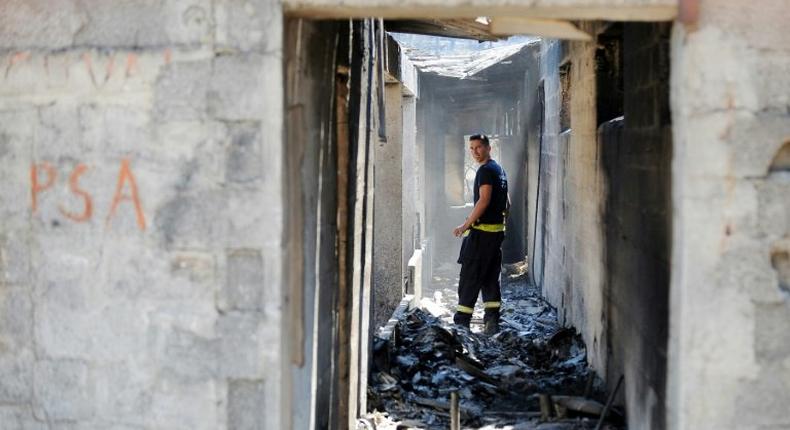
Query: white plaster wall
[729,349]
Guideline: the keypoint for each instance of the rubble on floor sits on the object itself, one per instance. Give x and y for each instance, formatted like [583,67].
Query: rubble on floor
[499,379]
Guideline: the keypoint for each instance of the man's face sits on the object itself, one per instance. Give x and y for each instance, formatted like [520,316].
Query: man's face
[479,150]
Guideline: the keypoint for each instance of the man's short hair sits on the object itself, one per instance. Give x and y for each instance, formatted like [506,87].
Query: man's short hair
[481,137]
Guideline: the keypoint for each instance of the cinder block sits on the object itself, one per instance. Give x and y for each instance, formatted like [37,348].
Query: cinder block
[243,157]
[759,24]
[132,278]
[740,130]
[14,256]
[16,376]
[772,339]
[60,132]
[180,91]
[241,354]
[19,417]
[727,83]
[16,318]
[252,223]
[191,220]
[123,23]
[131,23]
[240,86]
[246,405]
[63,390]
[63,327]
[123,393]
[189,22]
[35,24]
[244,281]
[185,406]
[189,357]
[108,130]
[249,25]
[17,129]
[193,150]
[762,401]
[119,333]
[774,207]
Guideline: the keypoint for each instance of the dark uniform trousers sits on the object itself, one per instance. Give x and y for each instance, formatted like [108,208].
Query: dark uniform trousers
[481,260]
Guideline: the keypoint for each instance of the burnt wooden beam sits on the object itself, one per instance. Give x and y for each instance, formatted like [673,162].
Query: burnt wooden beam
[455,28]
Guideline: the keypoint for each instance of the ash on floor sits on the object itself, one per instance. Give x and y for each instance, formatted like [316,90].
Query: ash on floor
[499,379]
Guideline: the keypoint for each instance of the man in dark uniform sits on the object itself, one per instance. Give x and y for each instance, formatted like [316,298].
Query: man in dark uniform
[483,232]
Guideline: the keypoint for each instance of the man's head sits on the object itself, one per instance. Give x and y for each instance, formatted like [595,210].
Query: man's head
[479,147]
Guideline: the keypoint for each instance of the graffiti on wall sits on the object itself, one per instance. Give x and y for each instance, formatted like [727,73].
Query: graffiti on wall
[99,67]
[43,177]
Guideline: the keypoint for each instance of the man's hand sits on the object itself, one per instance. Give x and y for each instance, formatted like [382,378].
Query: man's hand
[458,231]
[477,212]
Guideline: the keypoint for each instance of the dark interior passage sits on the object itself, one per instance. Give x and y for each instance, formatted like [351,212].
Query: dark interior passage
[582,130]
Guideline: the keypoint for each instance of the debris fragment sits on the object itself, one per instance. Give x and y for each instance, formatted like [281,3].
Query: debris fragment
[498,379]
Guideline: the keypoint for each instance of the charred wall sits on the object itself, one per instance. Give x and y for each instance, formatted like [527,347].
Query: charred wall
[637,155]
[601,203]
[311,58]
[568,253]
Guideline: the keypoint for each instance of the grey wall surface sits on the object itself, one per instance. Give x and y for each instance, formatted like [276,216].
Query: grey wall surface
[568,257]
[532,100]
[431,124]
[730,309]
[601,247]
[388,211]
[141,268]
[410,199]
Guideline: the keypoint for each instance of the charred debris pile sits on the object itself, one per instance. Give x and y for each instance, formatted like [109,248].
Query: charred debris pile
[533,371]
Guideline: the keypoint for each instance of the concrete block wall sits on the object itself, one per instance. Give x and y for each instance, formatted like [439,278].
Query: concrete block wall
[141,250]
[636,155]
[729,352]
[601,247]
[570,230]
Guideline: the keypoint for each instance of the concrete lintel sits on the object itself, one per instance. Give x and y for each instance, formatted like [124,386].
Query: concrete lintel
[409,77]
[611,10]
[400,69]
[389,79]
[549,28]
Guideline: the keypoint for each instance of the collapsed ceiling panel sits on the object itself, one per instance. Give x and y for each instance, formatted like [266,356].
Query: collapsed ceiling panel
[490,28]
[465,65]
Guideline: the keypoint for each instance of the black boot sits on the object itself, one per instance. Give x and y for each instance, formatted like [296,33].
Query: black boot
[491,320]
[462,319]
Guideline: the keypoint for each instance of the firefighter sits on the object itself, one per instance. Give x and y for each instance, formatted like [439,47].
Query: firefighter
[483,232]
